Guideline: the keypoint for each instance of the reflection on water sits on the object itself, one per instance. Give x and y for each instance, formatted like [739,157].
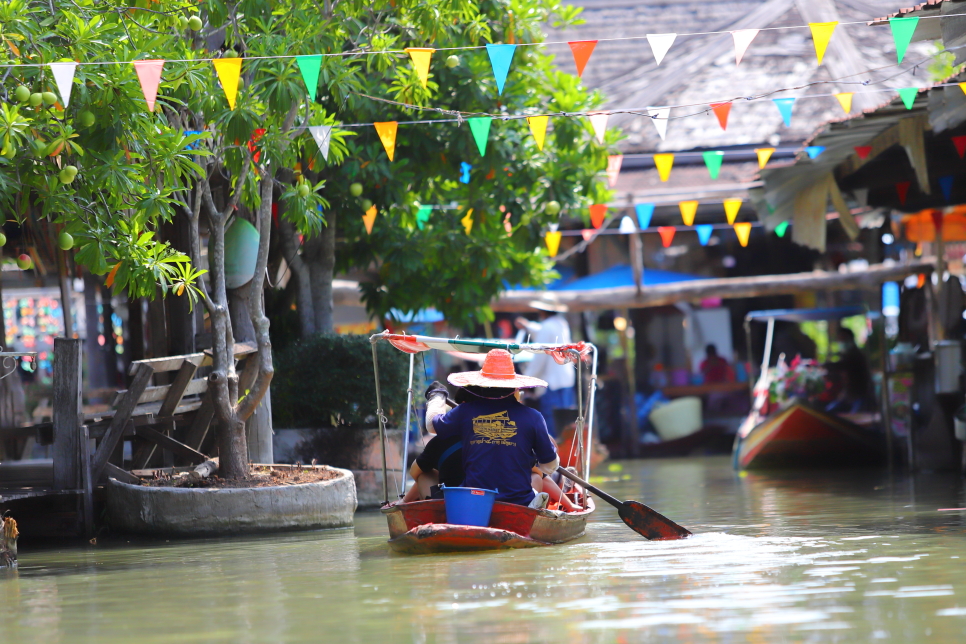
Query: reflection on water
[803,557]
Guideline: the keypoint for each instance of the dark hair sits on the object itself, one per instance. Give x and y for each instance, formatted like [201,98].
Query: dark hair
[711,350]
[464,394]
[846,333]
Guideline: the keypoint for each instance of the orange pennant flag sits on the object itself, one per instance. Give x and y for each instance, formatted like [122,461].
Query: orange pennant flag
[552,239]
[743,230]
[688,210]
[845,100]
[467,221]
[228,70]
[387,134]
[821,34]
[667,234]
[582,49]
[664,162]
[721,110]
[149,73]
[369,219]
[597,214]
[587,234]
[421,57]
[763,155]
[731,207]
[614,168]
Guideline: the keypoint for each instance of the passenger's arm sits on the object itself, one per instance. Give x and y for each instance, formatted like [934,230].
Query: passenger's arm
[552,466]
[435,404]
[415,471]
[543,447]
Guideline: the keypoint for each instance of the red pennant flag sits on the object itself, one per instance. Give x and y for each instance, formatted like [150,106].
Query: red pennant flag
[149,73]
[902,189]
[937,221]
[863,151]
[582,49]
[721,110]
[597,214]
[960,143]
[667,234]
[587,233]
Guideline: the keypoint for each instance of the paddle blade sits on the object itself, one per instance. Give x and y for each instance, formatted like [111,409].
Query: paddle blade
[650,524]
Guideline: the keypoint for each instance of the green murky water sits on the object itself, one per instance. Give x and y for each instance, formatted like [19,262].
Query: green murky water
[790,558]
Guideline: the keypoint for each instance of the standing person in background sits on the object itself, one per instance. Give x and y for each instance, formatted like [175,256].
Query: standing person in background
[552,328]
[714,368]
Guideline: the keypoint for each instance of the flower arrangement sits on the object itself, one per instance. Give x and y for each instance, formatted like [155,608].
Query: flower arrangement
[802,379]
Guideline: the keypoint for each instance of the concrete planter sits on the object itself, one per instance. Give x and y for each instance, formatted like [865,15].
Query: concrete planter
[202,511]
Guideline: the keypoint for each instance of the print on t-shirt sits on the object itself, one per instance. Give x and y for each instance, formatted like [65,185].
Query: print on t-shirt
[494,429]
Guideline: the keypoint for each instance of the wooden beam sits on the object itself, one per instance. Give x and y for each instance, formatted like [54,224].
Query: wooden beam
[170,363]
[121,474]
[154,394]
[68,416]
[142,375]
[179,388]
[202,420]
[166,442]
[87,499]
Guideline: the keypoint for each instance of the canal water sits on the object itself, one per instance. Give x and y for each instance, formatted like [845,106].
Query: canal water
[809,557]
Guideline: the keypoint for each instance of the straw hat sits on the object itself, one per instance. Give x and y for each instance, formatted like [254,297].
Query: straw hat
[550,307]
[497,372]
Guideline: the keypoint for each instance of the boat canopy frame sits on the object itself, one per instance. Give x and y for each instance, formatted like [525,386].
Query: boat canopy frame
[576,353]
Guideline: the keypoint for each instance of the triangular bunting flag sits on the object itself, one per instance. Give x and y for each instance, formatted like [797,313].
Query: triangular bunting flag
[387,134]
[310,66]
[228,70]
[908,96]
[421,57]
[946,184]
[627,226]
[784,106]
[962,86]
[322,135]
[902,31]
[743,38]
[731,208]
[582,49]
[614,168]
[781,228]
[552,240]
[763,155]
[721,110]
[644,213]
[743,230]
[64,76]
[814,150]
[902,190]
[480,129]
[587,234]
[598,121]
[688,210]
[660,43]
[659,117]
[598,212]
[863,151]
[467,221]
[500,58]
[713,159]
[845,100]
[667,234]
[664,162]
[538,127]
[369,219]
[149,74]
[704,233]
[465,172]
[960,143]
[422,216]
[821,34]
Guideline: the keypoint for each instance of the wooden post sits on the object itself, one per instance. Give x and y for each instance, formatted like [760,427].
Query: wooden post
[65,294]
[87,481]
[68,415]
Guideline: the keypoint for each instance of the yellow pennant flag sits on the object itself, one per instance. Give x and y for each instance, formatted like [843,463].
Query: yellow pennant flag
[732,206]
[228,70]
[467,221]
[538,127]
[664,163]
[369,219]
[421,57]
[845,100]
[387,134]
[821,34]
[962,86]
[743,230]
[763,155]
[552,239]
[688,210]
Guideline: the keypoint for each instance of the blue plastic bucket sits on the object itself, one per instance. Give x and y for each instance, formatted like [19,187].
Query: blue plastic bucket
[468,505]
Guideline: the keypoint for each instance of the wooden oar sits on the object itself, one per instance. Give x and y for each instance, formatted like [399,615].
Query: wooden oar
[638,517]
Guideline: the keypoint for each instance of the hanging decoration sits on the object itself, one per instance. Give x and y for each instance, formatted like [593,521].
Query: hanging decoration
[228,70]
[598,212]
[582,49]
[821,35]
[667,235]
[421,57]
[863,151]
[784,106]
[387,134]
[659,117]
[845,100]
[598,121]
[946,185]
[908,96]
[467,221]
[764,154]
[688,210]
[538,127]
[902,32]
[664,162]
[704,233]
[500,58]
[552,240]
[660,44]
[742,38]
[507,224]
[310,66]
[627,226]
[369,219]
[587,234]
[902,189]
[644,212]
[465,172]
[731,208]
[743,231]
[781,228]
[813,151]
[64,77]
[713,159]
[721,110]
[149,75]
[960,143]
[422,216]
[480,129]
[614,162]
[322,135]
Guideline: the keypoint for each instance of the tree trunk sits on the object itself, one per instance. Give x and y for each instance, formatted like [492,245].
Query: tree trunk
[258,428]
[320,252]
[300,271]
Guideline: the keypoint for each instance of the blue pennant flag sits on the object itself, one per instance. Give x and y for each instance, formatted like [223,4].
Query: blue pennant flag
[704,233]
[465,172]
[784,106]
[644,213]
[814,150]
[500,57]
[946,183]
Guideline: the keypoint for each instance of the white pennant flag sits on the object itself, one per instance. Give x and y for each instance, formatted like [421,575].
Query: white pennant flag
[627,226]
[660,43]
[743,38]
[598,121]
[64,75]
[321,134]
[659,116]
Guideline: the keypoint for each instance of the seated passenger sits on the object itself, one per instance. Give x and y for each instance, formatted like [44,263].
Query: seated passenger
[502,438]
[543,482]
[441,462]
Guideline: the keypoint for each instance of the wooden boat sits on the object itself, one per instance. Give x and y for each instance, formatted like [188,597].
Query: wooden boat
[801,436]
[420,528]
[710,439]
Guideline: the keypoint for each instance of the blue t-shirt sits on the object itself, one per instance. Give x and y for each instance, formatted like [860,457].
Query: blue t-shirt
[501,440]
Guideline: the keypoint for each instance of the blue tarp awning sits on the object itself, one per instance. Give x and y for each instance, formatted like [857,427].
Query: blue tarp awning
[622,275]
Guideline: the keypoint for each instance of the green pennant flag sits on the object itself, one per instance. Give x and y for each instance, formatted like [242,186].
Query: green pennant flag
[480,128]
[902,32]
[908,96]
[713,159]
[310,66]
[422,216]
